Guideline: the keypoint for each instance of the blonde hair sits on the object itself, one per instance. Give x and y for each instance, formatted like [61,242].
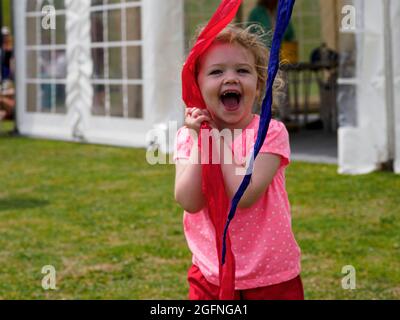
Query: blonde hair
[251,38]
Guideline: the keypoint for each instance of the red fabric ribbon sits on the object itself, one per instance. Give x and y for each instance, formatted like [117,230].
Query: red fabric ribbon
[222,17]
[212,179]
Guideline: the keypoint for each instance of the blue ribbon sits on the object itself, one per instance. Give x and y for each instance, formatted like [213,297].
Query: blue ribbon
[285,8]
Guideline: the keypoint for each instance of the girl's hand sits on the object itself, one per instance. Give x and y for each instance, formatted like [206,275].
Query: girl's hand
[194,117]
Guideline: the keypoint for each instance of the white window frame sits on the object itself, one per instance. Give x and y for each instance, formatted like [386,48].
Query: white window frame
[38,47]
[123,44]
[162,56]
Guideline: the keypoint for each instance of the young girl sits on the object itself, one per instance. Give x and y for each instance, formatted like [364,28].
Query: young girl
[231,75]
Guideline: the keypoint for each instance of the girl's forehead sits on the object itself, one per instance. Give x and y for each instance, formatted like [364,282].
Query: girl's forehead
[224,52]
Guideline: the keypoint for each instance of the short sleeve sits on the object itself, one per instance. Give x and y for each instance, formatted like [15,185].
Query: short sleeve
[277,142]
[183,144]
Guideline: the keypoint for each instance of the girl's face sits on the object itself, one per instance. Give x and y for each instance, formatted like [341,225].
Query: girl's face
[228,82]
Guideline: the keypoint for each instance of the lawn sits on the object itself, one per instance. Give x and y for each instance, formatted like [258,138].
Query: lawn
[108,223]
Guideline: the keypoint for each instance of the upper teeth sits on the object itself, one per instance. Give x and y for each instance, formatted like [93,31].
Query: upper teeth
[227,92]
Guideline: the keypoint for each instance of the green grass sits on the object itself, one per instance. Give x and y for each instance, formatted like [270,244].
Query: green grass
[108,223]
[6,127]
[6,13]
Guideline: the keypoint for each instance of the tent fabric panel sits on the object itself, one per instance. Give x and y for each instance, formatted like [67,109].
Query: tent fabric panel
[363,148]
[395,25]
[79,97]
[163,49]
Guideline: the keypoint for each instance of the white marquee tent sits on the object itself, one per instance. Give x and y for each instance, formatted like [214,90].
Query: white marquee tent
[108,73]
[369,89]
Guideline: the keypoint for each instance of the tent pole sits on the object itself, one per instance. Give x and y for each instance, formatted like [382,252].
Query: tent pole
[329,23]
[389,83]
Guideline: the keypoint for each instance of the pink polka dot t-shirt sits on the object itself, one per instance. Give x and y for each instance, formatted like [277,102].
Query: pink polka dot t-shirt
[265,249]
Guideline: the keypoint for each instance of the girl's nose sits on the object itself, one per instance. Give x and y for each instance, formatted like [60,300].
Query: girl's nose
[231,80]
[231,77]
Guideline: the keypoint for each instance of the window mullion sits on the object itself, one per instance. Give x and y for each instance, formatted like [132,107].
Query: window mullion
[106,60]
[38,66]
[53,71]
[124,60]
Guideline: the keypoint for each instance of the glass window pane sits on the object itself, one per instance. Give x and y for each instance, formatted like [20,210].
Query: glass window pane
[115,67]
[60,99]
[134,60]
[99,94]
[31,97]
[347,104]
[46,97]
[31,64]
[31,5]
[59,4]
[133,29]
[97,2]
[45,64]
[114,25]
[98,63]
[96,26]
[135,101]
[45,36]
[116,101]
[44,3]
[60,29]
[348,55]
[31,31]
[59,66]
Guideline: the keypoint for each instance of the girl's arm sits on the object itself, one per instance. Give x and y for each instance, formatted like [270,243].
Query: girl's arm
[265,167]
[188,191]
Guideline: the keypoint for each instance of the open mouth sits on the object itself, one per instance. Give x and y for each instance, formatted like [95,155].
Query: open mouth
[231,99]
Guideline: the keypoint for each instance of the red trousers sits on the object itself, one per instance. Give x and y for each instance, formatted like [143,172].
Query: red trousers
[201,289]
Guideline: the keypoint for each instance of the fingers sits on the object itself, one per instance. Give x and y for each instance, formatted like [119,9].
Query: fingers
[200,119]
[188,111]
[196,112]
[194,117]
